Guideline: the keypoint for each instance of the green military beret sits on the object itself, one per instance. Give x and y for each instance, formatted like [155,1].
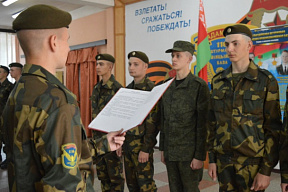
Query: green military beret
[106,57]
[5,68]
[237,29]
[16,65]
[139,55]
[182,46]
[42,17]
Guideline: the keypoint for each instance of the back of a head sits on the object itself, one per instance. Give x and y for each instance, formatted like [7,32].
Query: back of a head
[34,22]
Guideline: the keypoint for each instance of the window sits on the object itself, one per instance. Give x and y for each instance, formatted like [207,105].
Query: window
[7,50]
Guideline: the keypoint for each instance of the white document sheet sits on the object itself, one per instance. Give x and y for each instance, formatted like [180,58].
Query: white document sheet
[128,108]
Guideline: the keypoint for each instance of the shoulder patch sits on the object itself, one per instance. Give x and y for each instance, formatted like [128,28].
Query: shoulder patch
[69,155]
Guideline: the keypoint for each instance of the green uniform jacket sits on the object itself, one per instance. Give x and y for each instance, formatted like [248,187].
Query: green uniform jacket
[184,111]
[284,145]
[5,89]
[142,137]
[101,95]
[46,144]
[245,122]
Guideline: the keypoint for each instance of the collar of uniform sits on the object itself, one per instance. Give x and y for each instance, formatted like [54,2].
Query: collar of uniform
[141,84]
[251,73]
[4,83]
[37,70]
[109,83]
[185,82]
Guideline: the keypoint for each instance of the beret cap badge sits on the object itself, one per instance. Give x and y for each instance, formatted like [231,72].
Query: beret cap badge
[229,30]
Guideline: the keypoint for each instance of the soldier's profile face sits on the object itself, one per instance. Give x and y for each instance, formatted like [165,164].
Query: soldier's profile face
[3,74]
[136,67]
[237,47]
[284,57]
[15,72]
[180,60]
[103,67]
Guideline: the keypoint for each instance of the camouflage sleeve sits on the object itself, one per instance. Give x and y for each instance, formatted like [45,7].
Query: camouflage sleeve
[201,128]
[99,146]
[284,145]
[283,155]
[151,130]
[61,147]
[93,103]
[211,130]
[161,125]
[272,126]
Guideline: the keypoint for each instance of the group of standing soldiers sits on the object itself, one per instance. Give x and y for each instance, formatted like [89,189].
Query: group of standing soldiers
[5,88]
[239,122]
[240,118]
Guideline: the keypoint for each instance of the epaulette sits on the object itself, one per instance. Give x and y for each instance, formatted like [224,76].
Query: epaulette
[217,74]
[117,84]
[150,84]
[267,73]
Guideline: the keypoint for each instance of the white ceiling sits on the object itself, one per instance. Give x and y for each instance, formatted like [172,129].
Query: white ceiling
[77,8]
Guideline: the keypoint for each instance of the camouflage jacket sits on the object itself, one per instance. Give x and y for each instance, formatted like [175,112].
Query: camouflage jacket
[284,145]
[245,122]
[142,137]
[184,111]
[46,142]
[5,89]
[101,95]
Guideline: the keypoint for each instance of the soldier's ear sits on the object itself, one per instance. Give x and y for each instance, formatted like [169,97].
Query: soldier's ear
[52,42]
[250,45]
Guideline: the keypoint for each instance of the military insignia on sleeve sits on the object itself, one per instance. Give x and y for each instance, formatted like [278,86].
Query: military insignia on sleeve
[69,156]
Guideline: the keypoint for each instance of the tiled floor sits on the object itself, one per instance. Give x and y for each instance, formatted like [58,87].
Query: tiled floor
[161,179]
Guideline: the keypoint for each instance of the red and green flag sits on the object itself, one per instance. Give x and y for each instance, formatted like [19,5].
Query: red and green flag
[203,50]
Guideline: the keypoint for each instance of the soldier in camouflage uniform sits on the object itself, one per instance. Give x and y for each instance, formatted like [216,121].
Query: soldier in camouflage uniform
[140,140]
[109,166]
[47,148]
[5,88]
[245,119]
[184,110]
[284,149]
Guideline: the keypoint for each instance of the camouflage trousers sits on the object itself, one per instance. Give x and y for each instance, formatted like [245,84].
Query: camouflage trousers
[182,178]
[235,176]
[110,172]
[139,176]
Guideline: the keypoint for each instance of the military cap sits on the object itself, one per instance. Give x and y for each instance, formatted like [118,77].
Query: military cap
[139,55]
[5,68]
[237,29]
[106,57]
[42,17]
[182,46]
[16,65]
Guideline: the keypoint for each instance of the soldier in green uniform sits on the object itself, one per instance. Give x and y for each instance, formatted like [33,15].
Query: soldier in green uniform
[283,157]
[184,110]
[5,88]
[109,166]
[15,70]
[244,119]
[140,140]
[47,147]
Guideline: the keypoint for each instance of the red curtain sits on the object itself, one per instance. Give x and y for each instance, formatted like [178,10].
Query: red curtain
[80,78]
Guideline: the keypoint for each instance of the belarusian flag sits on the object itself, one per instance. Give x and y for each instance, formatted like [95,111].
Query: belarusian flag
[203,50]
